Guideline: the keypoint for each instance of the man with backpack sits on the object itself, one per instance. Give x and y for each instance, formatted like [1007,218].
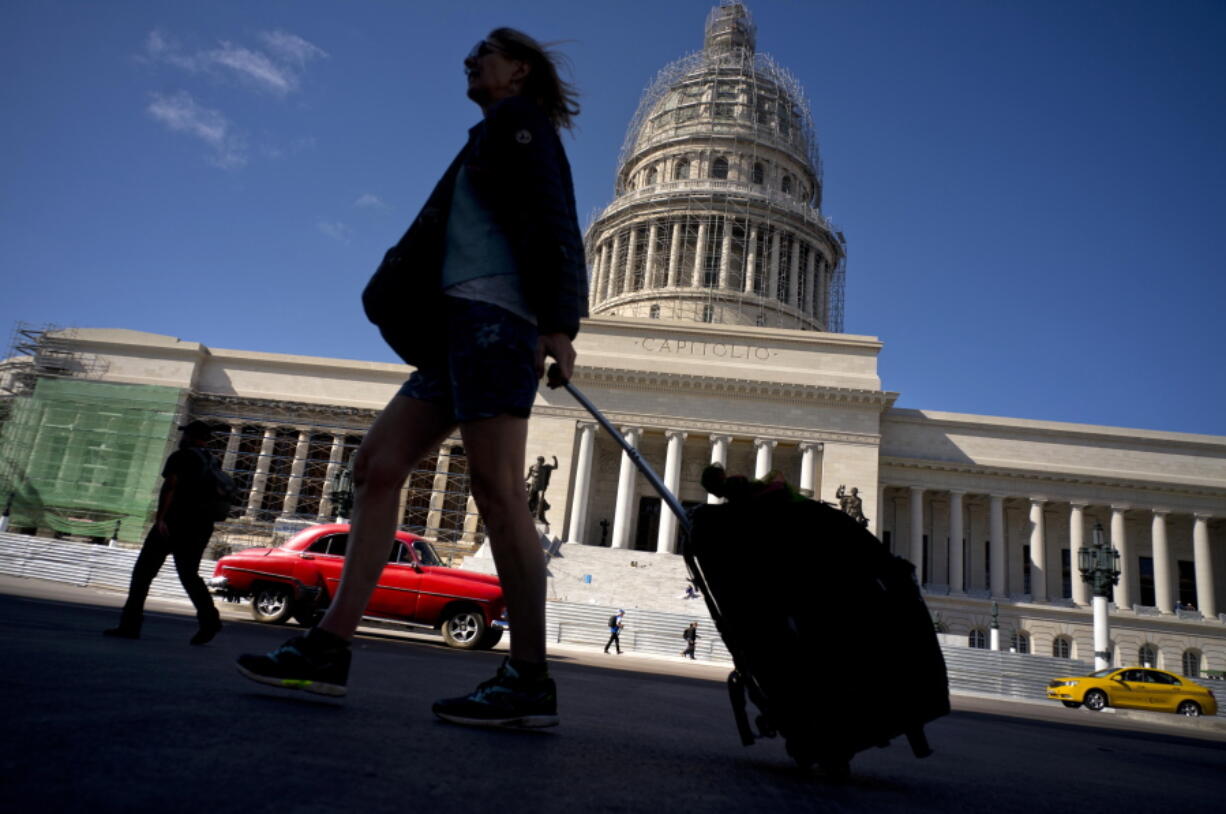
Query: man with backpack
[194,495]
[690,634]
[615,628]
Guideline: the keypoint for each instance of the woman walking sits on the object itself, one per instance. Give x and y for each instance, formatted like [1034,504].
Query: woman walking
[488,281]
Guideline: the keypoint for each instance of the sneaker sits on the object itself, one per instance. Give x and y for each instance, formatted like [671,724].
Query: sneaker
[121,632]
[206,632]
[505,700]
[302,663]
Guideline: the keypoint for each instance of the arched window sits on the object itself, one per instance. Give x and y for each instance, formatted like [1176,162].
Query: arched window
[651,175]
[1191,663]
[1020,643]
[787,185]
[719,168]
[1147,656]
[681,170]
[759,173]
[1061,647]
[977,639]
[654,312]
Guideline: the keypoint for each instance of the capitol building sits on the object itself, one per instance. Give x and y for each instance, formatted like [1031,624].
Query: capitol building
[716,285]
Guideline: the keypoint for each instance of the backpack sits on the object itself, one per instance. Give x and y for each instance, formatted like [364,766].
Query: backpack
[612,621]
[218,494]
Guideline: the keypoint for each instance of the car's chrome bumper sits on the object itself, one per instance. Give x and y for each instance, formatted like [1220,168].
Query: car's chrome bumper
[217,583]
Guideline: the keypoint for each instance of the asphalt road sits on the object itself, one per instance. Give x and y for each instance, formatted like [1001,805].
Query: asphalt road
[94,724]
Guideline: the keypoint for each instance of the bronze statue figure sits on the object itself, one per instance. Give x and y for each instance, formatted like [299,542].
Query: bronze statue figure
[536,483]
[852,504]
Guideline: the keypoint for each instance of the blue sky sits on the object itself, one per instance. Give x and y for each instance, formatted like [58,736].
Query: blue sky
[1033,191]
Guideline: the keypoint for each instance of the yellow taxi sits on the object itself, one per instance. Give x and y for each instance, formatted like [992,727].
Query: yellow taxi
[1134,688]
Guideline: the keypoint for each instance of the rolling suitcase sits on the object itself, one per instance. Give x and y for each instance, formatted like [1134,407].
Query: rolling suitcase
[829,635]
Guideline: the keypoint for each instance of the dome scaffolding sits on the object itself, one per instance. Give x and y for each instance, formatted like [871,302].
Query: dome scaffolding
[718,191]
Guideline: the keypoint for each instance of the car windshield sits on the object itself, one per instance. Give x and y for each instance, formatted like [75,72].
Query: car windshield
[1103,673]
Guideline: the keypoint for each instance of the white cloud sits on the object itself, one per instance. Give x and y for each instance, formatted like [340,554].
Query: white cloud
[277,70]
[368,200]
[181,113]
[254,67]
[335,230]
[291,47]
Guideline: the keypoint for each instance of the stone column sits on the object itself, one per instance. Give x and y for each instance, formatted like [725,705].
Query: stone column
[667,540]
[674,255]
[956,544]
[1077,539]
[335,454]
[996,531]
[231,453]
[719,455]
[1119,539]
[808,466]
[600,285]
[751,259]
[260,478]
[438,493]
[472,520]
[700,255]
[611,269]
[772,277]
[583,482]
[762,464]
[725,254]
[917,532]
[649,275]
[1038,552]
[1164,585]
[293,488]
[794,274]
[810,304]
[631,256]
[1202,557]
[625,492]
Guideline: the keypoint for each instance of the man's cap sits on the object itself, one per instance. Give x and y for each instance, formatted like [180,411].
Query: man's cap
[198,428]
[620,612]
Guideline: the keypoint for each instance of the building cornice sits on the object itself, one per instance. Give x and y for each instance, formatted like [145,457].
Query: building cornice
[1095,478]
[744,430]
[627,379]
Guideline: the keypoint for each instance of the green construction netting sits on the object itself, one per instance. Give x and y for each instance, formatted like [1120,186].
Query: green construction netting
[77,456]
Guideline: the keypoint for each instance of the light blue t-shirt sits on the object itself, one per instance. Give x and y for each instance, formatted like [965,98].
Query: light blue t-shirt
[479,264]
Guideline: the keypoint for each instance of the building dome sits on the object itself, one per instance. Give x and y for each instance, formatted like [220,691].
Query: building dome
[718,192]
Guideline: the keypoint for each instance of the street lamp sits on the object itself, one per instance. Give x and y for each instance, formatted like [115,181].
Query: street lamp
[994,631]
[342,494]
[1099,564]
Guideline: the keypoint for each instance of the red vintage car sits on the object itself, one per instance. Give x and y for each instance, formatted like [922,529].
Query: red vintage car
[299,578]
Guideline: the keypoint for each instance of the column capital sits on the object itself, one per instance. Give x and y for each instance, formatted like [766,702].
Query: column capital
[634,431]
[997,495]
[1203,517]
[811,446]
[917,490]
[1160,511]
[678,434]
[1120,507]
[720,439]
[1037,501]
[584,426]
[958,492]
[758,443]
[1079,504]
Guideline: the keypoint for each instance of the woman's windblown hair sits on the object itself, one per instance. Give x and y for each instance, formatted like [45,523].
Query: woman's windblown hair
[558,98]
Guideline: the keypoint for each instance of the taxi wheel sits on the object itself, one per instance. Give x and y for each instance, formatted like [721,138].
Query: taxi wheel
[1095,700]
[1071,704]
[464,629]
[271,604]
[1189,708]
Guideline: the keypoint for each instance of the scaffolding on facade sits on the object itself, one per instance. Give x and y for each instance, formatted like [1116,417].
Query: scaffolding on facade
[82,457]
[717,215]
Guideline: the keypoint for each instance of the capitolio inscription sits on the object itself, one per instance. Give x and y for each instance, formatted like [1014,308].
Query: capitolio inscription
[720,350]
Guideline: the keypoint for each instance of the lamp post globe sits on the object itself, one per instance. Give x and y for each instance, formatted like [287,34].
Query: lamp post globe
[1099,565]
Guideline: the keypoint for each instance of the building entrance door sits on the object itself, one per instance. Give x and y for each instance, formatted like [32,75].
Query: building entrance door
[649,524]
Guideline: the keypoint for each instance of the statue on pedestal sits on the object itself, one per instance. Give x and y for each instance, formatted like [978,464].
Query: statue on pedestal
[852,504]
[536,483]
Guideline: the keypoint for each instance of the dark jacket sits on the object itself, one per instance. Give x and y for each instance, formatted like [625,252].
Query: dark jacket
[518,169]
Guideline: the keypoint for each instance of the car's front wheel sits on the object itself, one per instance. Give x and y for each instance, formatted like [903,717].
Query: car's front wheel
[271,604]
[1189,708]
[1095,700]
[464,628]
[1071,704]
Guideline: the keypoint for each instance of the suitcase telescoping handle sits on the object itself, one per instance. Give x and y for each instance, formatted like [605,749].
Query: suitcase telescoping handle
[635,458]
